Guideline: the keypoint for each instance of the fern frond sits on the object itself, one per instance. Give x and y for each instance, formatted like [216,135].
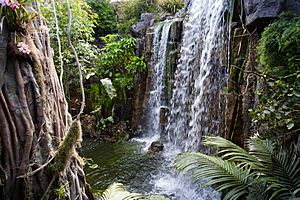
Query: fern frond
[263,150]
[222,174]
[117,191]
[281,169]
[232,152]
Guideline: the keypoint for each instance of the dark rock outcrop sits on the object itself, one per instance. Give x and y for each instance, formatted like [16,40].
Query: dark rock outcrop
[259,13]
[139,29]
[156,147]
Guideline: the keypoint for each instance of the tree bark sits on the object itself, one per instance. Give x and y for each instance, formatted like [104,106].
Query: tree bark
[37,135]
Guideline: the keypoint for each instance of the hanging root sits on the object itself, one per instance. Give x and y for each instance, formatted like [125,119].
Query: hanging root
[67,148]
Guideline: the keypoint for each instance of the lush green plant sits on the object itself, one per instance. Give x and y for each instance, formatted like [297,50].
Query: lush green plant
[171,6]
[129,13]
[264,172]
[118,63]
[117,191]
[59,192]
[15,14]
[107,20]
[279,60]
[83,23]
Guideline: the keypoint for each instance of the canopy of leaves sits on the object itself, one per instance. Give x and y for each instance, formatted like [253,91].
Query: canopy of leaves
[106,22]
[82,35]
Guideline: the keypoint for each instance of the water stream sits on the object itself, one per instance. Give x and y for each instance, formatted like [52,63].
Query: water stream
[199,78]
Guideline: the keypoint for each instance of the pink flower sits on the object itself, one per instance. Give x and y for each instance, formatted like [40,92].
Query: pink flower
[24,48]
[15,6]
[44,29]
[4,3]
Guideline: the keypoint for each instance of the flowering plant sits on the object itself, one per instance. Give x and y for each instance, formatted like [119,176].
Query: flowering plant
[23,48]
[15,14]
[8,3]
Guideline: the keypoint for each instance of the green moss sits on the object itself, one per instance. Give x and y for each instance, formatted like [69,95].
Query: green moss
[279,45]
[67,147]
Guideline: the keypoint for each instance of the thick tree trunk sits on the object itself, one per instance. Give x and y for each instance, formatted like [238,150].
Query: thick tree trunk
[37,135]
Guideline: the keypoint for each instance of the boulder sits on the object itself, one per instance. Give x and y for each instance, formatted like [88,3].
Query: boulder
[139,29]
[258,11]
[293,6]
[155,147]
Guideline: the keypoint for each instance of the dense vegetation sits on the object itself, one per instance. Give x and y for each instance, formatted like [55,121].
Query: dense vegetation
[278,111]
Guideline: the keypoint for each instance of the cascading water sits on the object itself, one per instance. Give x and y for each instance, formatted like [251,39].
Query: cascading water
[196,104]
[199,78]
[157,98]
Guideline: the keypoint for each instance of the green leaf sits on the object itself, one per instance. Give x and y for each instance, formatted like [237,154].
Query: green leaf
[110,90]
[290,126]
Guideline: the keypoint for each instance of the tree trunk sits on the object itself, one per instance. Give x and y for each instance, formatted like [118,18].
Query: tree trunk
[37,135]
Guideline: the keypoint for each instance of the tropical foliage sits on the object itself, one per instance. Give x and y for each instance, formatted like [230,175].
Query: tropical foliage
[265,172]
[118,63]
[117,191]
[82,36]
[106,21]
[279,59]
[129,13]
[171,6]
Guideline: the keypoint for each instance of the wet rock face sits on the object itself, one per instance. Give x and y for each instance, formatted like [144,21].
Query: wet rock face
[293,6]
[155,147]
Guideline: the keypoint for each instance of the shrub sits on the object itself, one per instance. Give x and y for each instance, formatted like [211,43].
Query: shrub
[279,61]
[106,22]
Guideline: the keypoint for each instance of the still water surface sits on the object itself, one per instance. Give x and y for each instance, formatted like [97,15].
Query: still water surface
[128,163]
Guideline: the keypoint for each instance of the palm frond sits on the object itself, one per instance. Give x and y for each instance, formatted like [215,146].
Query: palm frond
[281,169]
[117,191]
[286,169]
[222,174]
[263,150]
[232,152]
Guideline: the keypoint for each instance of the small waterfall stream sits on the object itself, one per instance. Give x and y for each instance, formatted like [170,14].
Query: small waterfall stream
[157,98]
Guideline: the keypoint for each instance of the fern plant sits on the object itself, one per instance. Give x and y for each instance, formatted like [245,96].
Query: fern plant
[117,191]
[262,173]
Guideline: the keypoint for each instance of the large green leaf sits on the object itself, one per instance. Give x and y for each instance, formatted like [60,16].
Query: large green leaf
[224,175]
[232,152]
[117,191]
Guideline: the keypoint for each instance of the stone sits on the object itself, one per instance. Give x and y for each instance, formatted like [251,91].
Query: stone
[164,112]
[180,14]
[139,29]
[156,147]
[261,10]
[292,6]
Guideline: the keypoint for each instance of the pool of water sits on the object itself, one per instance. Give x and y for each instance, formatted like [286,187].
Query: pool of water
[125,163]
[128,163]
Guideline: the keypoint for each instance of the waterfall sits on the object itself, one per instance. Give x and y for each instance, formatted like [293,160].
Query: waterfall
[196,103]
[199,79]
[157,96]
